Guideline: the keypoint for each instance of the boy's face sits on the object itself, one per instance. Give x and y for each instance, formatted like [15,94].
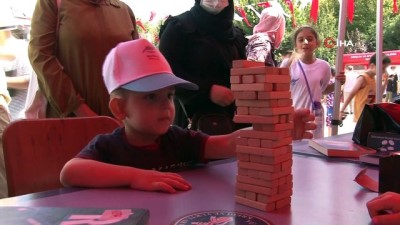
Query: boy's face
[384,67]
[150,113]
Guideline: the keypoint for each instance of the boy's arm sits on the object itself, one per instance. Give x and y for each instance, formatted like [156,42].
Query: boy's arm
[221,146]
[91,173]
[224,146]
[360,83]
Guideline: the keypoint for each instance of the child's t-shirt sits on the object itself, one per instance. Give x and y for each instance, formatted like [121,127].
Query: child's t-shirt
[318,75]
[177,149]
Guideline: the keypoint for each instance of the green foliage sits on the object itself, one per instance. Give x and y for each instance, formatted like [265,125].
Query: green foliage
[361,33]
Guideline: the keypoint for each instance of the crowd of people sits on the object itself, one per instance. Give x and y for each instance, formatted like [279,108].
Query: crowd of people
[87,64]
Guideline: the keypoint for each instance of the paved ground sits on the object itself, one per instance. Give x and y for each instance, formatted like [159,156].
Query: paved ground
[348,126]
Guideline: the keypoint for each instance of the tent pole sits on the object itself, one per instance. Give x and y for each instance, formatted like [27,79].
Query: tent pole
[339,63]
[379,49]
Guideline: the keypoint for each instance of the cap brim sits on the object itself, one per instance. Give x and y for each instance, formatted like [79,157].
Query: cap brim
[158,81]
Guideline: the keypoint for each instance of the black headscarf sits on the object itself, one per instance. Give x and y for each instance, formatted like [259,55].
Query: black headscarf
[219,25]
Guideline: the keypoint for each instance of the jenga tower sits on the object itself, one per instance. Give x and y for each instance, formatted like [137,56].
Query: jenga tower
[264,151]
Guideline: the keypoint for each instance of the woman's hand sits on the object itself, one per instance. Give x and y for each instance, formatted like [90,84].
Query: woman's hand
[303,124]
[385,209]
[221,95]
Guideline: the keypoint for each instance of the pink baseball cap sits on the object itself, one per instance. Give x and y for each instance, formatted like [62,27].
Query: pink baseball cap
[139,66]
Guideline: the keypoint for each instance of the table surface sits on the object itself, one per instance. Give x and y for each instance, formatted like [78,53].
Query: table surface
[324,193]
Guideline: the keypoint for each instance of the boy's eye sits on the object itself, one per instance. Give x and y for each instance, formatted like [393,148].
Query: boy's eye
[171,95]
[150,96]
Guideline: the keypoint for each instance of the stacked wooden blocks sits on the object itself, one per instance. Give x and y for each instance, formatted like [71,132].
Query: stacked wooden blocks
[264,151]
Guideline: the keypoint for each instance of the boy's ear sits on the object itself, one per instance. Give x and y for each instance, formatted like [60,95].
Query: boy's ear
[117,107]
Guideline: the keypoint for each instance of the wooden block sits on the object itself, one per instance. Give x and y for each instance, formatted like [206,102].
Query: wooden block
[273,127]
[252,87]
[286,179]
[257,111]
[273,198]
[267,135]
[267,176]
[281,87]
[258,182]
[255,158]
[276,143]
[241,141]
[284,119]
[254,174]
[257,103]
[260,167]
[283,202]
[243,157]
[291,117]
[264,151]
[249,70]
[245,94]
[278,79]
[256,189]
[272,70]
[271,160]
[246,64]
[287,164]
[273,94]
[284,71]
[284,187]
[235,79]
[254,142]
[240,193]
[243,172]
[242,110]
[248,79]
[285,102]
[256,119]
[254,204]
[250,195]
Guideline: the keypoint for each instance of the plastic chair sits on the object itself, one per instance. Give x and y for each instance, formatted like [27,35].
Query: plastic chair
[35,150]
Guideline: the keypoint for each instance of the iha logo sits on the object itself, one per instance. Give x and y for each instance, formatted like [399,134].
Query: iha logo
[331,42]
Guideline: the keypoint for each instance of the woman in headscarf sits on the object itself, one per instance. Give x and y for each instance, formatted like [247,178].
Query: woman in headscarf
[200,45]
[267,36]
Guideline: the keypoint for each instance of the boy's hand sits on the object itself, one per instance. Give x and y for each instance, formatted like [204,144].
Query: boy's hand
[341,77]
[151,180]
[385,209]
[303,123]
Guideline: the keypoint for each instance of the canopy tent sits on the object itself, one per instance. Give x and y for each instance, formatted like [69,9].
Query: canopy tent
[363,58]
[344,9]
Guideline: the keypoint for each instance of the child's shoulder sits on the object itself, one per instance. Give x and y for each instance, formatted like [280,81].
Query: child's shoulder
[322,62]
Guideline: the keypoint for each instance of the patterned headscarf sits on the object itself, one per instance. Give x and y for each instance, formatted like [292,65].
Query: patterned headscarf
[272,22]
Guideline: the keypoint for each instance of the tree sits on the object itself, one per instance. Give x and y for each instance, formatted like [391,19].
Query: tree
[360,35]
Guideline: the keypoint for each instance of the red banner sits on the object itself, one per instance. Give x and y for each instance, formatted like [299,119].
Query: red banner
[395,9]
[243,15]
[290,4]
[314,10]
[350,10]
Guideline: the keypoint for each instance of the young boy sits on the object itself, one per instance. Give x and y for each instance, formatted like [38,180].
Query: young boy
[142,87]
[364,90]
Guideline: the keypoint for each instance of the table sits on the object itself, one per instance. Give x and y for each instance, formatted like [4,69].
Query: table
[324,194]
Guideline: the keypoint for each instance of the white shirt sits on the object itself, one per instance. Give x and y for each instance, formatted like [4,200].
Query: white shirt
[318,74]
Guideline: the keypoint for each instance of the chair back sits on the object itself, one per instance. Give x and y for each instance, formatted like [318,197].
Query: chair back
[35,150]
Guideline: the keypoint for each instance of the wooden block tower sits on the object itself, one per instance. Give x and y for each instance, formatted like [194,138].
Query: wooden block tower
[264,151]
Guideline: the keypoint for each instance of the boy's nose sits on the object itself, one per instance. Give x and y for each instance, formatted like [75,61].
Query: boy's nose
[305,42]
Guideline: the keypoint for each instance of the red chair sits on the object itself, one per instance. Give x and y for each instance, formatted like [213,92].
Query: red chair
[35,150]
